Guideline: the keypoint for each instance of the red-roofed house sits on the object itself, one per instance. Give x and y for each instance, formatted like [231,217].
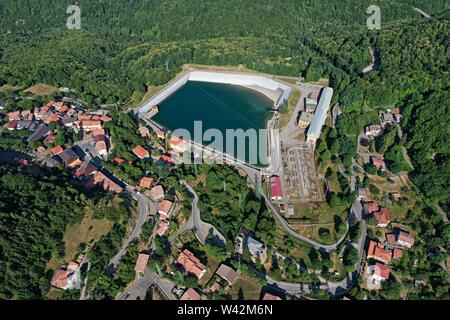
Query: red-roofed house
[160,134]
[178,144]
[163,226]
[141,263]
[377,251]
[164,209]
[271,297]
[190,294]
[119,160]
[275,188]
[379,163]
[390,238]
[141,152]
[370,207]
[144,131]
[14,115]
[157,193]
[397,253]
[12,125]
[405,240]
[90,125]
[191,264]
[382,217]
[146,182]
[56,150]
[381,272]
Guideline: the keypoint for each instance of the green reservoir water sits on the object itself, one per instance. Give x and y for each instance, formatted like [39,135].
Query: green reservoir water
[219,106]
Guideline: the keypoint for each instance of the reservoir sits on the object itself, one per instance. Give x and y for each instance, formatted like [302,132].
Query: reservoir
[219,106]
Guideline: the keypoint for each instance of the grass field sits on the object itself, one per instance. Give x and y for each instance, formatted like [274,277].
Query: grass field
[287,110]
[245,288]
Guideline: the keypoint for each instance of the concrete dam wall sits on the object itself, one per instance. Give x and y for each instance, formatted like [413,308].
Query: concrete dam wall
[248,81]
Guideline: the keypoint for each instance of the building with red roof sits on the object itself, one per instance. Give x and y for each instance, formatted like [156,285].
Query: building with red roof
[157,193]
[141,152]
[191,264]
[56,150]
[141,263]
[190,294]
[390,238]
[397,253]
[12,125]
[271,297]
[164,208]
[381,272]
[163,226]
[178,144]
[377,252]
[275,188]
[405,240]
[382,217]
[146,182]
[379,163]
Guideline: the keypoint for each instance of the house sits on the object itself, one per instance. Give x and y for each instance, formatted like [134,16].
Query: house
[376,251]
[397,253]
[190,294]
[191,264]
[370,207]
[14,115]
[141,263]
[163,226]
[51,138]
[144,131]
[12,125]
[310,105]
[161,134]
[118,160]
[362,193]
[105,119]
[389,118]
[157,193]
[86,169]
[227,273]
[24,124]
[70,158]
[390,238]
[305,119]
[257,249]
[275,188]
[40,133]
[68,121]
[271,297]
[178,144]
[381,272]
[101,148]
[373,130]
[405,240]
[164,208]
[66,278]
[56,150]
[141,152]
[215,287]
[99,179]
[379,163]
[382,217]
[146,182]
[90,125]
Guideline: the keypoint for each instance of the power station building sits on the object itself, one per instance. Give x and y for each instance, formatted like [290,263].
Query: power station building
[320,115]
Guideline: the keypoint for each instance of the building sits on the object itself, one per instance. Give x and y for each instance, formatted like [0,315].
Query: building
[190,294]
[378,163]
[99,179]
[227,273]
[101,148]
[390,238]
[397,253]
[141,152]
[145,132]
[271,297]
[257,249]
[310,105]
[70,158]
[40,133]
[362,193]
[178,144]
[163,226]
[405,240]
[161,134]
[191,264]
[275,188]
[56,150]
[90,125]
[164,208]
[66,278]
[390,118]
[141,263]
[305,119]
[382,217]
[376,251]
[12,125]
[373,130]
[370,207]
[381,272]
[146,182]
[320,115]
[157,193]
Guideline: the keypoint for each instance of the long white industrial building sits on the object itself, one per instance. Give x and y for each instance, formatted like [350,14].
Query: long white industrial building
[320,115]
[220,77]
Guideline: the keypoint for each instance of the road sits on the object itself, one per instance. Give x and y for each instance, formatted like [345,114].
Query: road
[146,207]
[140,287]
[202,229]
